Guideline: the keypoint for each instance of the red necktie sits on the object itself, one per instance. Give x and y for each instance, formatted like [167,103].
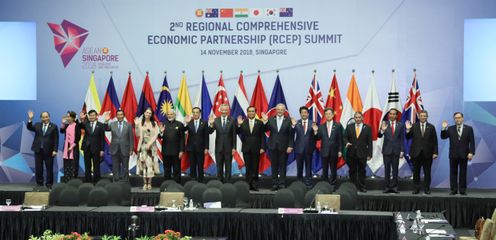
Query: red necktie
[392,127]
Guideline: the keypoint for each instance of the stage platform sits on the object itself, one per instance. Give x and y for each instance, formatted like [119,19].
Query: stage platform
[461,211]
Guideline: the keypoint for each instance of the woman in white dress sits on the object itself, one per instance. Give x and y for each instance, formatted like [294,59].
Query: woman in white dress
[147,130]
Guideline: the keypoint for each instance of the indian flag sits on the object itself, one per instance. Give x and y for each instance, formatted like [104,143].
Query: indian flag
[353,102]
[241,12]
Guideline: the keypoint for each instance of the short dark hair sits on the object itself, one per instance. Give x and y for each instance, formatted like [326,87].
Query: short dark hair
[199,109]
[454,114]
[423,111]
[393,109]
[248,108]
[92,111]
[358,112]
[45,112]
[72,114]
[329,109]
[303,108]
[120,110]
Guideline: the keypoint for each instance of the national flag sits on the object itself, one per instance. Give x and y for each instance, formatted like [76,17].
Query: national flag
[212,13]
[129,105]
[315,105]
[219,99]
[257,12]
[183,109]
[199,12]
[393,101]
[286,12]
[147,99]
[164,102]
[203,102]
[91,102]
[109,106]
[334,101]
[271,12]
[259,101]
[353,103]
[239,106]
[241,12]
[226,12]
[411,111]
[372,116]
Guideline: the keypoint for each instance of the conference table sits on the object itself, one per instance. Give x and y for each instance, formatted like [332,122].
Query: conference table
[436,226]
[230,223]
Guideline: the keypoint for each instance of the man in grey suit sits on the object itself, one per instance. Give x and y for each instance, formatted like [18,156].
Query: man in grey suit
[121,145]
[392,149]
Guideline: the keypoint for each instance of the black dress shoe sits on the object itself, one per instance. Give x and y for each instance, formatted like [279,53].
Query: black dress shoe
[274,188]
[463,193]
[416,192]
[452,193]
[428,192]
[363,190]
[386,191]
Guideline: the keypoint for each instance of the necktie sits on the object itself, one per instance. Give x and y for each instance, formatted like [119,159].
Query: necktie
[459,129]
[92,127]
[223,122]
[44,129]
[196,126]
[357,131]
[304,127]
[329,130]
[422,129]
[251,126]
[392,128]
[120,128]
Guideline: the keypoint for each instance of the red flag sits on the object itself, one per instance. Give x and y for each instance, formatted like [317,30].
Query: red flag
[259,101]
[129,104]
[220,97]
[334,101]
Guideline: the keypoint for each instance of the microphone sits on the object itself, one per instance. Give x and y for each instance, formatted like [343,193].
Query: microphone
[433,230]
[133,227]
[310,209]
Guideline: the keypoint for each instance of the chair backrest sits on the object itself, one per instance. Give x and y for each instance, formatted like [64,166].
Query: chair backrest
[212,194]
[284,198]
[36,198]
[330,200]
[114,191]
[102,182]
[214,183]
[348,186]
[165,184]
[300,185]
[76,182]
[242,191]
[54,194]
[68,197]
[348,200]
[486,230]
[84,191]
[228,195]
[167,199]
[310,198]
[175,188]
[299,195]
[188,186]
[324,186]
[126,193]
[197,193]
[97,197]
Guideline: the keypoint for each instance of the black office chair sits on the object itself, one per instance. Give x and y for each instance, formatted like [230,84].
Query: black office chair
[126,193]
[299,195]
[212,194]
[114,191]
[97,197]
[69,196]
[102,182]
[310,198]
[348,186]
[284,198]
[55,193]
[75,182]
[228,195]
[188,186]
[324,186]
[242,194]
[84,191]
[165,184]
[349,198]
[197,193]
[300,185]
[214,183]
[174,188]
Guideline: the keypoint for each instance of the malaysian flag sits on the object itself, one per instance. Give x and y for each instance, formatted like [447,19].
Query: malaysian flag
[286,12]
[212,13]
[411,110]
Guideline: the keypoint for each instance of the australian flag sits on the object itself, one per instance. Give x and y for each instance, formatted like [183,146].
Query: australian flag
[212,13]
[315,105]
[286,12]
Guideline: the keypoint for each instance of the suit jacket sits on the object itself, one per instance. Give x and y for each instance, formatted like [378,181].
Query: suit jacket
[282,139]
[426,144]
[77,130]
[225,138]
[197,141]
[49,141]
[172,138]
[460,148]
[254,141]
[361,146]
[93,141]
[303,143]
[123,140]
[393,144]
[330,146]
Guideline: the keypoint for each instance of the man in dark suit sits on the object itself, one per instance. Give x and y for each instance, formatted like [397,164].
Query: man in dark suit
[304,146]
[121,145]
[462,149]
[45,146]
[331,135]
[93,142]
[172,133]
[392,149]
[252,135]
[197,143]
[225,141]
[422,150]
[358,142]
[280,144]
